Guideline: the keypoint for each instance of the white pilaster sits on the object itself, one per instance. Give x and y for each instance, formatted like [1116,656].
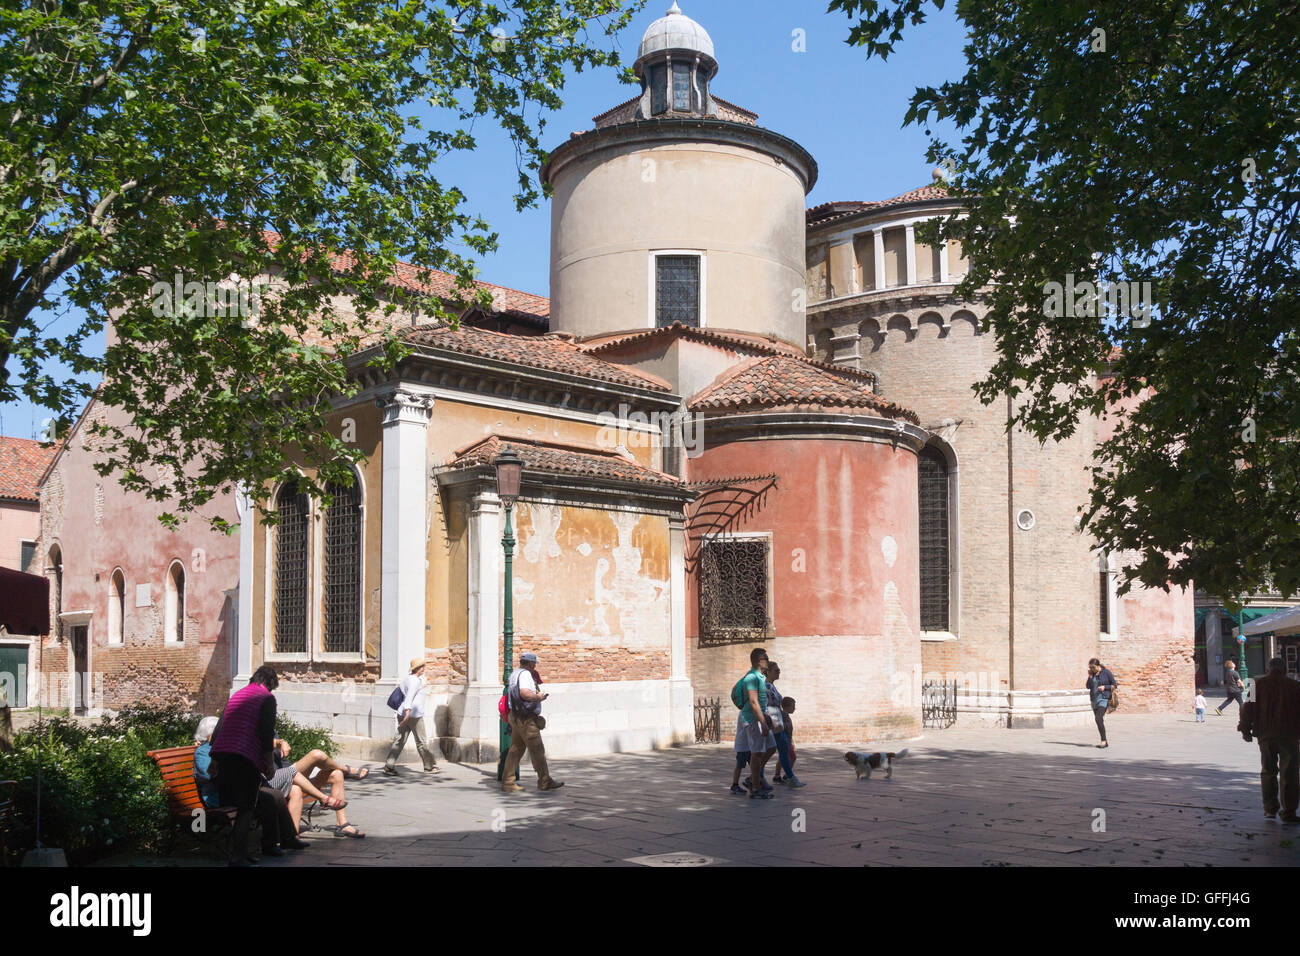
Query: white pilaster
[909,232]
[484,589]
[677,596]
[406,412]
[878,238]
[943,261]
[244,614]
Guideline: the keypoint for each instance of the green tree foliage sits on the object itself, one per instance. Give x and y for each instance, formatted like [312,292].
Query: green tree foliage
[146,139]
[1118,142]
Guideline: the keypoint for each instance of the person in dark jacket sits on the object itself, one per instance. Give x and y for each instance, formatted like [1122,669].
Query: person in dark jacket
[1232,682]
[1101,685]
[1274,718]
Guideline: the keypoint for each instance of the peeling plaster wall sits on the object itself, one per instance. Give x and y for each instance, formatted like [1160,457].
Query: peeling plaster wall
[592,593]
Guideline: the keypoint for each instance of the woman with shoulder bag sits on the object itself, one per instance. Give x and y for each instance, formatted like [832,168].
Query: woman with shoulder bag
[1102,692]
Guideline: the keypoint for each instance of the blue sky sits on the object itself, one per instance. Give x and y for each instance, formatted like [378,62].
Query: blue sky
[846,111]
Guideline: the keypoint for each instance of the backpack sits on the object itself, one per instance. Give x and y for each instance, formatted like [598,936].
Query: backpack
[737,695]
[396,697]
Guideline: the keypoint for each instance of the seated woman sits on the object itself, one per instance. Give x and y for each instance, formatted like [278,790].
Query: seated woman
[203,769]
[318,765]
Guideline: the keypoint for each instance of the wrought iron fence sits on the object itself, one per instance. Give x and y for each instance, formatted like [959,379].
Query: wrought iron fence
[939,703]
[708,720]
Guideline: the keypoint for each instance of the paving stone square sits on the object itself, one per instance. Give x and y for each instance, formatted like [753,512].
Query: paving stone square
[1169,791]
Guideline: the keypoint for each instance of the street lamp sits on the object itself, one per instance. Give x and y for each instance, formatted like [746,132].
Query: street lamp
[509,468]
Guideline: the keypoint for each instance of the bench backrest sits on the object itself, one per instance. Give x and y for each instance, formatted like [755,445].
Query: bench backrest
[177,767]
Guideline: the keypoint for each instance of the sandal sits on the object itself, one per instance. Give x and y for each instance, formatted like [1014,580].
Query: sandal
[333,803]
[351,774]
[348,830]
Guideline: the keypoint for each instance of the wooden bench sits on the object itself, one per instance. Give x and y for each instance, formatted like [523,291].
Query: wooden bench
[176,764]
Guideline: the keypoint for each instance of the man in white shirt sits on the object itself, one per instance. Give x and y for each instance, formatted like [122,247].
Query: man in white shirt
[526,723]
[410,720]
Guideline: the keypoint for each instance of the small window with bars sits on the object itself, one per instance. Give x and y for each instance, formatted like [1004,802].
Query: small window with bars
[290,590]
[343,571]
[677,290]
[933,540]
[734,591]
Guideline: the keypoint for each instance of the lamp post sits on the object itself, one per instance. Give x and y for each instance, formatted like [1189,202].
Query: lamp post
[509,468]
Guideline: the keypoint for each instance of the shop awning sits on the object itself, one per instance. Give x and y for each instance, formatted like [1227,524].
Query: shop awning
[24,602]
[1285,621]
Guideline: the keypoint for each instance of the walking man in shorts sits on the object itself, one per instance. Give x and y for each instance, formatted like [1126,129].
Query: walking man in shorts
[753,731]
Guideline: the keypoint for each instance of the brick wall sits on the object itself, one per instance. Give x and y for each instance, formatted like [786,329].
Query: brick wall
[98,528]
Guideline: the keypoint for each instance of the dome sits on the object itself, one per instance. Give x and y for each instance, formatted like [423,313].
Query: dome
[675,31]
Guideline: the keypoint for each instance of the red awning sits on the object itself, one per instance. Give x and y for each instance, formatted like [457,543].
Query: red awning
[24,602]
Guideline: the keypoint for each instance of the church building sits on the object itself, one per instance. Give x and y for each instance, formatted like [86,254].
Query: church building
[743,422]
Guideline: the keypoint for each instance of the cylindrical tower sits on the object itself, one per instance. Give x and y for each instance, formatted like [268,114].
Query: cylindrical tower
[678,207]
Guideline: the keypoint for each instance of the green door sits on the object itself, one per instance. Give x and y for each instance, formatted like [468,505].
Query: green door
[13,675]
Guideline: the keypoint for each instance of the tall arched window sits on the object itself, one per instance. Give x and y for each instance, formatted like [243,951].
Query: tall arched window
[116,607]
[174,608]
[342,597]
[290,563]
[1105,576]
[55,568]
[932,495]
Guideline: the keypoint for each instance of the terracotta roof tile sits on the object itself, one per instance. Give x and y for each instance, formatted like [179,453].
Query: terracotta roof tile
[625,112]
[557,458]
[753,343]
[831,211]
[780,382]
[546,352]
[22,461]
[442,284]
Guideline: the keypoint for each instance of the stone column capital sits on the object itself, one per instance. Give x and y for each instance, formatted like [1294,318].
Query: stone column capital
[404,405]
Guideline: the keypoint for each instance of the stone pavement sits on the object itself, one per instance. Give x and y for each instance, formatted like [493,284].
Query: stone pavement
[1172,792]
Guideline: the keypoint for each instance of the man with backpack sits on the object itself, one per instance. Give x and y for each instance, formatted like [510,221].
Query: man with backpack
[526,725]
[753,730]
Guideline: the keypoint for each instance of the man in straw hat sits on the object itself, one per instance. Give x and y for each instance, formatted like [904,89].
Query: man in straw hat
[526,725]
[410,720]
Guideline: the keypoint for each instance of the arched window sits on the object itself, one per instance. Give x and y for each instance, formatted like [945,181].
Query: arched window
[174,609]
[935,559]
[342,571]
[290,563]
[116,607]
[55,568]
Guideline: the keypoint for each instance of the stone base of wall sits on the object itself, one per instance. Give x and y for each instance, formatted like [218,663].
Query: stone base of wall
[847,688]
[1020,709]
[581,718]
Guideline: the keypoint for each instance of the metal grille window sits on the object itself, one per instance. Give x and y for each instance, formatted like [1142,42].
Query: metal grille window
[681,86]
[734,591]
[658,90]
[343,571]
[290,610]
[677,290]
[932,473]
